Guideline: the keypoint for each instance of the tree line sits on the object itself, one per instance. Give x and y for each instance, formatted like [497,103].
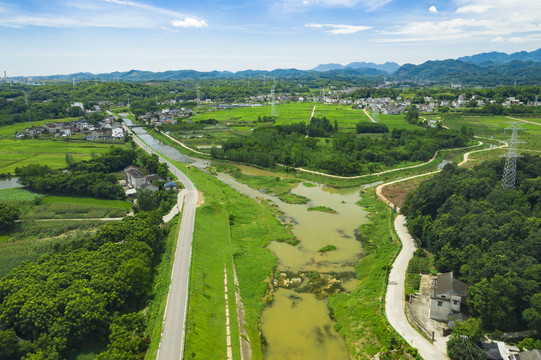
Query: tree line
[340,153]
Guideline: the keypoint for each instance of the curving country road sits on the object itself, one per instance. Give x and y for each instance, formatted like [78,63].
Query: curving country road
[176,310]
[395,297]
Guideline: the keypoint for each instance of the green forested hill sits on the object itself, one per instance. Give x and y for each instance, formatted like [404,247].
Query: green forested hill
[490,237]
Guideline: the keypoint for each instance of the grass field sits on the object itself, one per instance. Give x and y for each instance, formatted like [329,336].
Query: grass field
[19,152]
[66,207]
[29,242]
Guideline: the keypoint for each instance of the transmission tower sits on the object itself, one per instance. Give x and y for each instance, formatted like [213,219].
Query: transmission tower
[375,114]
[198,96]
[273,99]
[510,171]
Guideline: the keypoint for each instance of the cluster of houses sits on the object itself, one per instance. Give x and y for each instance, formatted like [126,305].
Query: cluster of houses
[134,180]
[166,116]
[106,129]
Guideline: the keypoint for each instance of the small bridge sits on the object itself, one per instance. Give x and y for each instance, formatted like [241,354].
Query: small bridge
[139,125]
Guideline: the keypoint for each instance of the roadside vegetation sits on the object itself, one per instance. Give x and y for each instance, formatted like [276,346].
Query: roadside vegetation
[359,315]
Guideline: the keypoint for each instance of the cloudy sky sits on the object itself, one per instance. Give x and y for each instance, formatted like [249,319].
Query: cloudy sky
[42,37]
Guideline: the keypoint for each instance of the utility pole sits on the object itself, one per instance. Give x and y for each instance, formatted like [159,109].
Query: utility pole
[509,177]
[273,99]
[198,95]
[27,104]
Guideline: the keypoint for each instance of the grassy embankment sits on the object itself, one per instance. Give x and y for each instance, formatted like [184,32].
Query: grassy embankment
[359,315]
[228,226]
[19,152]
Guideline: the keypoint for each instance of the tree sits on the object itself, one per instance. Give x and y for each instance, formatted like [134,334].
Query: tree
[532,315]
[8,217]
[146,200]
[459,347]
[412,115]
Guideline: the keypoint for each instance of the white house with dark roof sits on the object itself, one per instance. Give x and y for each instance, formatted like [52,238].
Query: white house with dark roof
[447,297]
[134,177]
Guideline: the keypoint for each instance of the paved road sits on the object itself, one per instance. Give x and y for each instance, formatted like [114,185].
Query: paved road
[395,299]
[176,309]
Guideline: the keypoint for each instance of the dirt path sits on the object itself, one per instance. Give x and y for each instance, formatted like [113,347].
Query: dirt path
[311,116]
[370,117]
[525,121]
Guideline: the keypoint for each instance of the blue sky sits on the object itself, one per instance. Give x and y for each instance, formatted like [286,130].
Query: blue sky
[66,36]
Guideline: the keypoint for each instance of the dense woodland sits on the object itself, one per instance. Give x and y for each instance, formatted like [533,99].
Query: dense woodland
[488,236]
[92,288]
[341,153]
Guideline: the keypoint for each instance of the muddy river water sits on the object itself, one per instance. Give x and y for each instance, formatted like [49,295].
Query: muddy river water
[297,325]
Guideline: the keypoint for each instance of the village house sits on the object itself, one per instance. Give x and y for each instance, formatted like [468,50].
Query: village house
[117,132]
[135,180]
[448,294]
[134,177]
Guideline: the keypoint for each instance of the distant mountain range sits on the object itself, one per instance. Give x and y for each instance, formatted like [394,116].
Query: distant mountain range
[499,57]
[388,67]
[491,68]
[458,71]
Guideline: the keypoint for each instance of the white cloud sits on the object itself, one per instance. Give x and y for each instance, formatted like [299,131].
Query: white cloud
[483,20]
[100,13]
[301,5]
[189,22]
[145,7]
[433,9]
[517,40]
[475,9]
[339,29]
